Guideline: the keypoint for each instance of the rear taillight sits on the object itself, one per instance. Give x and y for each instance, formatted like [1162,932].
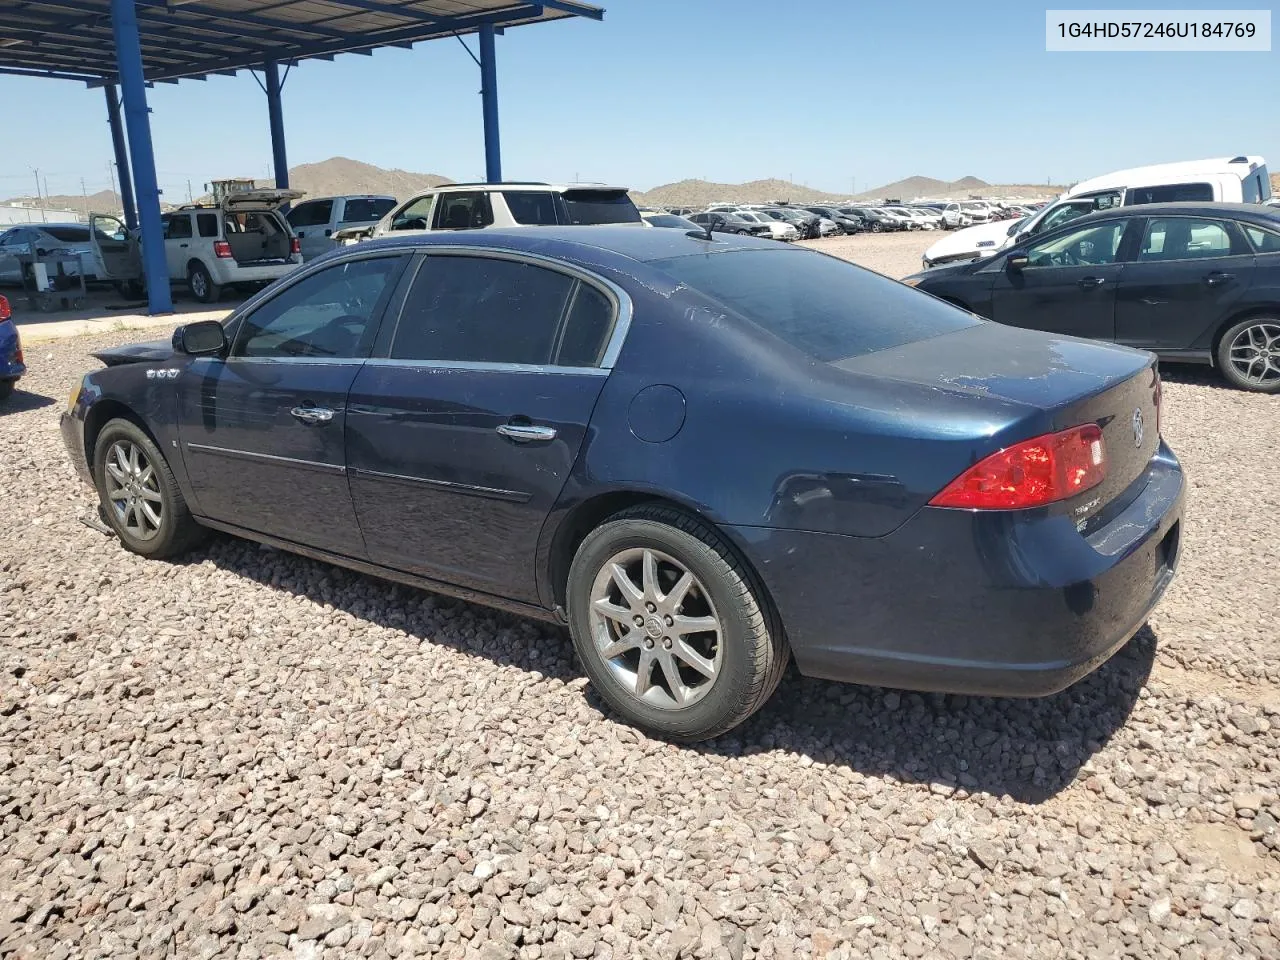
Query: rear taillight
[5,312]
[222,249]
[295,245]
[1032,473]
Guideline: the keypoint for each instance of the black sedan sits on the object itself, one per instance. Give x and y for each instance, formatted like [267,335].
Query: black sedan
[704,455]
[874,219]
[1196,282]
[847,222]
[720,221]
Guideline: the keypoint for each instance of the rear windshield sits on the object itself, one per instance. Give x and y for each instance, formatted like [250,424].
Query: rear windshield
[68,234]
[362,211]
[823,306]
[598,206]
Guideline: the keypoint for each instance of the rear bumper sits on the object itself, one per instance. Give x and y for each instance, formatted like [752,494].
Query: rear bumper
[978,603]
[227,272]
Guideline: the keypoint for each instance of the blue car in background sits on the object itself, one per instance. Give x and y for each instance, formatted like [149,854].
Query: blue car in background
[704,453]
[11,365]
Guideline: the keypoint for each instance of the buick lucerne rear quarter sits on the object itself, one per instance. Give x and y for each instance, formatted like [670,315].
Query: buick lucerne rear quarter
[705,455]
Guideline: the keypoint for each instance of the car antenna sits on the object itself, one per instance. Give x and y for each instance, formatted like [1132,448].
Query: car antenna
[712,222]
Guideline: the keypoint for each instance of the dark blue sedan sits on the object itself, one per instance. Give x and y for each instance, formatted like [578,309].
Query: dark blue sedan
[11,364]
[705,455]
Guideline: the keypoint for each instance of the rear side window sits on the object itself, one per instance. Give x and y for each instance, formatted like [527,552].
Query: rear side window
[1182,238]
[530,207]
[1264,241]
[482,310]
[68,234]
[587,328]
[825,307]
[314,214]
[366,210]
[584,207]
[207,223]
[463,211]
[1173,193]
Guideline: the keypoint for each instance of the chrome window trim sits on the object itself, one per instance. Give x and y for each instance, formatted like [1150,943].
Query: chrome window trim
[486,366]
[623,307]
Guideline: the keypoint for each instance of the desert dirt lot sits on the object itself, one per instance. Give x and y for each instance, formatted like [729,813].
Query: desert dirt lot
[249,753]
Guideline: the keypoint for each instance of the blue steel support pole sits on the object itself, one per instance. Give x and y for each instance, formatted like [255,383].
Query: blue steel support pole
[124,24]
[489,104]
[122,157]
[275,116]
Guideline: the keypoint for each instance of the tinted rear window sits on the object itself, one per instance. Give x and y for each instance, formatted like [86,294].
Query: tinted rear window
[825,307]
[68,234]
[1172,193]
[362,211]
[598,206]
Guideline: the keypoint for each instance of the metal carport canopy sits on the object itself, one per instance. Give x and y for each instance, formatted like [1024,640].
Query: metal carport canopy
[134,42]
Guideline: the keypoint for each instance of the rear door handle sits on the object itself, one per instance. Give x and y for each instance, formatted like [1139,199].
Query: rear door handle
[184,245]
[312,414]
[1217,279]
[1089,283]
[526,432]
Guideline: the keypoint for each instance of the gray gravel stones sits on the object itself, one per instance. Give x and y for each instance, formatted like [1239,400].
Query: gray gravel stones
[248,754]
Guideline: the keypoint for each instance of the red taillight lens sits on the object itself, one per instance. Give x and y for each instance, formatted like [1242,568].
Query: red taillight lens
[1032,473]
[295,245]
[221,249]
[5,312]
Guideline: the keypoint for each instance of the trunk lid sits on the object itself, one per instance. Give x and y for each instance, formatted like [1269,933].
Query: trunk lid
[259,199]
[1061,381]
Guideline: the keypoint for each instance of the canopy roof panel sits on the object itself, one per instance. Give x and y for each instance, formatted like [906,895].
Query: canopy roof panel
[73,39]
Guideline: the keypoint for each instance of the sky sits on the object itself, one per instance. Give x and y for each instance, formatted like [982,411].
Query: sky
[833,94]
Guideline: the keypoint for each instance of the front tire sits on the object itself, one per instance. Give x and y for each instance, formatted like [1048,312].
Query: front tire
[138,494]
[1249,355]
[202,286]
[670,625]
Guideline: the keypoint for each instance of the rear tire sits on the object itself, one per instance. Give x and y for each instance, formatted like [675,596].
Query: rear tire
[138,494]
[673,674]
[202,286]
[1249,355]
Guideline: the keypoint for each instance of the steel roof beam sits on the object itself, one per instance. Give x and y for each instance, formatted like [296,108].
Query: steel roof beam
[576,9]
[239,16]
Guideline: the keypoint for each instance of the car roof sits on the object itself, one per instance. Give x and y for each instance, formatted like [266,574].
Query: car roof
[1156,174]
[570,243]
[1232,211]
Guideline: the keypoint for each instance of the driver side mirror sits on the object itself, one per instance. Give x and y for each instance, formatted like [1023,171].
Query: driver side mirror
[201,339]
[1016,263]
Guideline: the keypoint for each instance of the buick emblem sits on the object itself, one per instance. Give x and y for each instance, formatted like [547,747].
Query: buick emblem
[1137,428]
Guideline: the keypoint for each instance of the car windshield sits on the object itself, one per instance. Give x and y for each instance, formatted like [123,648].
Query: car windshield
[599,206]
[669,220]
[826,307]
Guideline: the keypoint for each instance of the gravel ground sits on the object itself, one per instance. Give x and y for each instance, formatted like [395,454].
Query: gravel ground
[250,754]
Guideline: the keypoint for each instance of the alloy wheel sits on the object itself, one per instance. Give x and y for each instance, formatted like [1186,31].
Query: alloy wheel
[1255,353]
[655,628]
[133,490]
[198,285]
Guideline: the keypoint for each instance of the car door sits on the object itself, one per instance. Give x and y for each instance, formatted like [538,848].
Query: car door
[312,225]
[114,248]
[1187,275]
[1068,283]
[177,244]
[12,243]
[262,428]
[461,437]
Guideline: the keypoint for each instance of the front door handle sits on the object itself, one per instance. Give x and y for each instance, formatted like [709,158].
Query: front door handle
[1089,283]
[312,414]
[526,432]
[184,245]
[1217,279]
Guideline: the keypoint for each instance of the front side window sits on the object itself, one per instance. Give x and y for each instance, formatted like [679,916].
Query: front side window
[463,211]
[482,310]
[1096,243]
[416,215]
[313,214]
[1183,238]
[68,234]
[826,307]
[178,227]
[331,313]
[1172,193]
[530,207]
[1264,241]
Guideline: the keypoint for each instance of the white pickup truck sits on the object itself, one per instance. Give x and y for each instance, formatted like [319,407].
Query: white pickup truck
[316,221]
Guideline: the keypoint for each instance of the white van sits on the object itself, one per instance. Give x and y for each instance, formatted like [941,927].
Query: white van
[1226,179]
